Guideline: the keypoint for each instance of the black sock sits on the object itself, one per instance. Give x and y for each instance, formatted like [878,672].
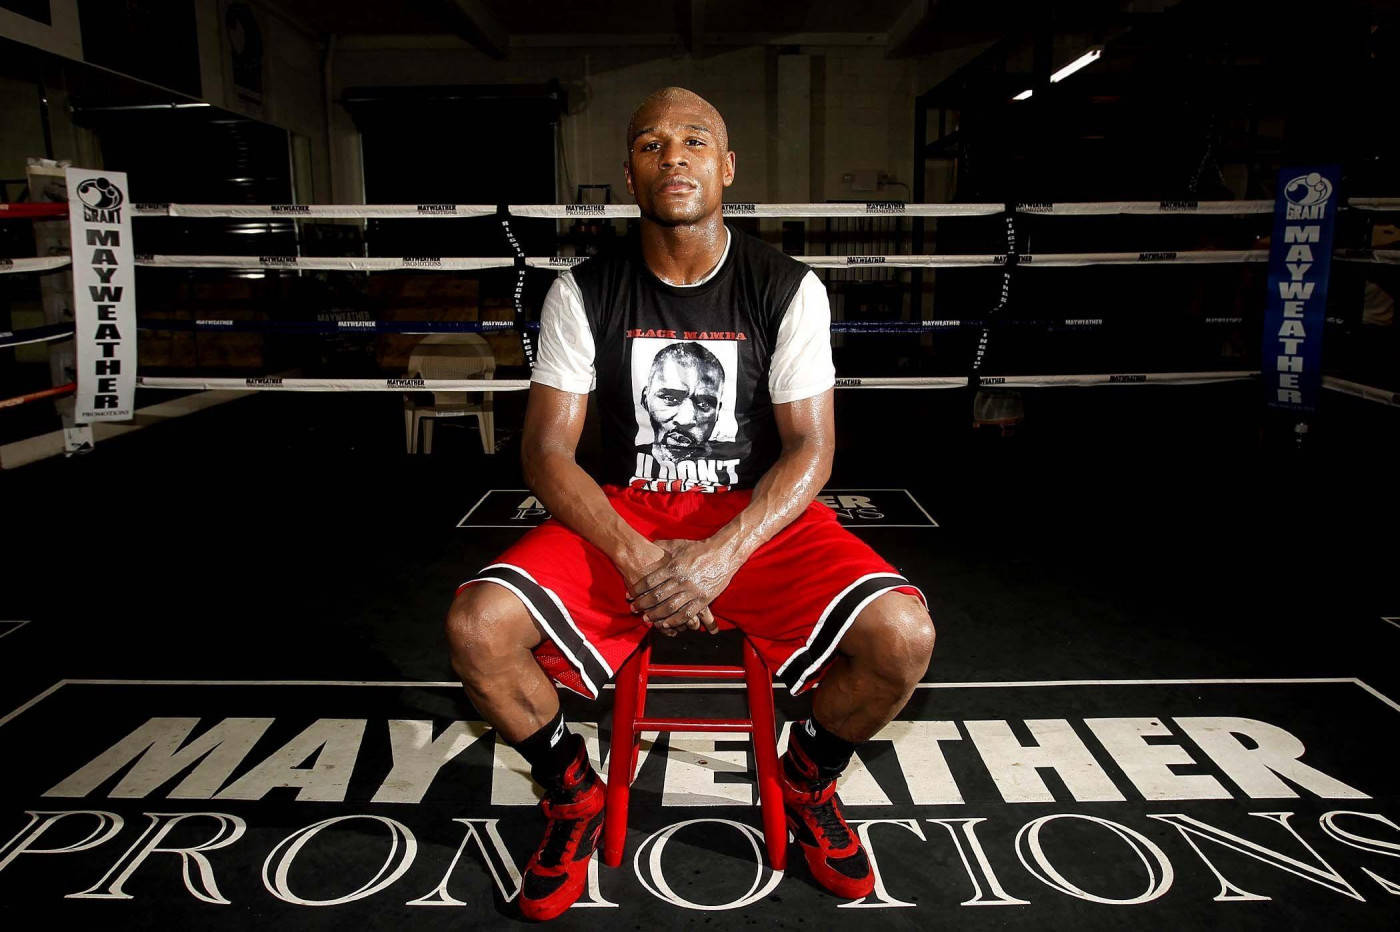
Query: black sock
[549,750]
[831,753]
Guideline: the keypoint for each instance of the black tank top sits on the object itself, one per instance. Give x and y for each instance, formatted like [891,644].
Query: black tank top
[683,372]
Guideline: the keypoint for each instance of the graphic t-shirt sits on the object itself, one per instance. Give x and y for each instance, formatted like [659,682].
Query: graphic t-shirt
[687,375]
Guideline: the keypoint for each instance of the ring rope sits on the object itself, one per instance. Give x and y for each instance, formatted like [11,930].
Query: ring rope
[620,211]
[474,263]
[54,392]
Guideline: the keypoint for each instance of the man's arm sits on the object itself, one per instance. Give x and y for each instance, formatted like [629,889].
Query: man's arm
[677,594]
[553,422]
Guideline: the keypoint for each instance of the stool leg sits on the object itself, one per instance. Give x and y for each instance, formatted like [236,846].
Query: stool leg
[765,752]
[621,757]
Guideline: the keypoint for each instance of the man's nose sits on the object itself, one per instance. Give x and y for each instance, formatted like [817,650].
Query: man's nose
[685,413]
[673,154]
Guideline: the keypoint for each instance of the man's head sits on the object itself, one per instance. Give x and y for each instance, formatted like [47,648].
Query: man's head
[678,158]
[682,398]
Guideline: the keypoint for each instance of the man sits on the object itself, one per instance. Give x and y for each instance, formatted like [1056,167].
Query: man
[682,401]
[733,534]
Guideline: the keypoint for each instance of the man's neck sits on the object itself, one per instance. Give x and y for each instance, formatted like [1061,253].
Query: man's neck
[682,255]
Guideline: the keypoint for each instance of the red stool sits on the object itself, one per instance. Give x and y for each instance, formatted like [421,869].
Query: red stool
[629,706]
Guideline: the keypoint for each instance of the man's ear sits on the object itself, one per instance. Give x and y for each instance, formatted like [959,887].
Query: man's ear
[728,176]
[627,173]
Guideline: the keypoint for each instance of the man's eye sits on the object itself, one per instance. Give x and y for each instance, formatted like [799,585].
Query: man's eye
[650,145]
[698,142]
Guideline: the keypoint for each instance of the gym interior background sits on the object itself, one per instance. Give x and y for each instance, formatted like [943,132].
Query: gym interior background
[1134,551]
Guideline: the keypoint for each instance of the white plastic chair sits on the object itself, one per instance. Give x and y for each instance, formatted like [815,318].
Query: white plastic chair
[450,356]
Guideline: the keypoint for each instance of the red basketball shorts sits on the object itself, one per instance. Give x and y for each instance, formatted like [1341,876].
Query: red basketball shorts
[794,598]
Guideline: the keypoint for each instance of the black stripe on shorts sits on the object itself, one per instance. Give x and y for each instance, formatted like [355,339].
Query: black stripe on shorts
[796,670]
[557,624]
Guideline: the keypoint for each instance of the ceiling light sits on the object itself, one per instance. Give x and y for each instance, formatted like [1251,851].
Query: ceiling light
[1083,61]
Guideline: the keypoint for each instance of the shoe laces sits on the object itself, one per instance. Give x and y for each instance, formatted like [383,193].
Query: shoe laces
[556,841]
[831,824]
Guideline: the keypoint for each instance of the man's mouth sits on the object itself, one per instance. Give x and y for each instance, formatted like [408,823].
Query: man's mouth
[678,440]
[677,186]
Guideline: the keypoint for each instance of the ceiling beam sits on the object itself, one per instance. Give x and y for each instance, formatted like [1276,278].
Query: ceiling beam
[474,22]
[911,23]
[690,15]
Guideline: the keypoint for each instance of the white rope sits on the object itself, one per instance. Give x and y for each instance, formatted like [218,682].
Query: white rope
[42,264]
[1137,378]
[278,384]
[1379,256]
[956,381]
[866,209]
[1370,393]
[902,262]
[1101,208]
[1192,257]
[332,263]
[315,211]
[1375,203]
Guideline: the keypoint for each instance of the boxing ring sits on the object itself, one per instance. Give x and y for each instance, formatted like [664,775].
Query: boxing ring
[1164,690]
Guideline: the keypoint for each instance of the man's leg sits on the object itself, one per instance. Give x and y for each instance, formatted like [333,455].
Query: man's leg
[491,636]
[879,661]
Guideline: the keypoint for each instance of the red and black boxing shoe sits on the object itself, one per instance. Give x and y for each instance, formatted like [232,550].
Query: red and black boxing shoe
[831,848]
[557,871]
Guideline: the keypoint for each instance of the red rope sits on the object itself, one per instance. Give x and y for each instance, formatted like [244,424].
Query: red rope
[39,396]
[29,211]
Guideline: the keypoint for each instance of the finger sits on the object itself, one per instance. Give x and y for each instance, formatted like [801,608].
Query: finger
[707,618]
[670,609]
[652,581]
[656,597]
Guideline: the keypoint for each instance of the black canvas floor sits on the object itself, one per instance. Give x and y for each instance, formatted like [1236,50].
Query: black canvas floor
[1164,691]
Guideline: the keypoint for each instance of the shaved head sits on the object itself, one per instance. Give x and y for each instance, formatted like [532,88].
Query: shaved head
[657,101]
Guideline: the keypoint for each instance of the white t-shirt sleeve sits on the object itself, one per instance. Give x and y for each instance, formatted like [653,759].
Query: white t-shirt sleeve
[564,357]
[801,366]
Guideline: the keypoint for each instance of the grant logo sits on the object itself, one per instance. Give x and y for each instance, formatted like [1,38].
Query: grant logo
[102,200]
[1307,196]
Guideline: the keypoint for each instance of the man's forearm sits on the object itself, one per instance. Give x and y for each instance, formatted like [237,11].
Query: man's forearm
[572,496]
[783,493]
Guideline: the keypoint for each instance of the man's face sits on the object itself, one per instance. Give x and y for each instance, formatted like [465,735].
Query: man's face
[678,163]
[682,398]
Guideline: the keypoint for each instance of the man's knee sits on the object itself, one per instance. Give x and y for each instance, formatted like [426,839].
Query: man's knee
[895,635]
[487,627]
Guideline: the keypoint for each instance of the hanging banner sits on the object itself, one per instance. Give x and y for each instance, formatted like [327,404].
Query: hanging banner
[1300,259]
[104,295]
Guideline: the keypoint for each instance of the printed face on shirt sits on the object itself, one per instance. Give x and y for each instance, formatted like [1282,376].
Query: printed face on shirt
[682,399]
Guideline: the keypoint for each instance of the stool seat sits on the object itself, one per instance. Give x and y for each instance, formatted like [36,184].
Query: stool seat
[630,720]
